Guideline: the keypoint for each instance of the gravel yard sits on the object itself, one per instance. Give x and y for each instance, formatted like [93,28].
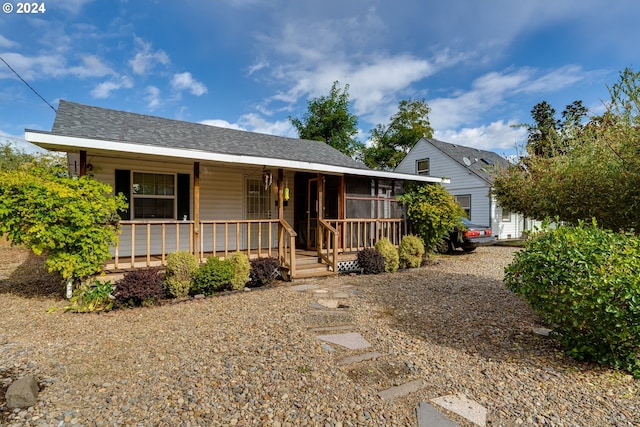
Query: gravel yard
[252,358]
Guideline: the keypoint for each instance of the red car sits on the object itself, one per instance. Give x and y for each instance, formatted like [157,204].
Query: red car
[468,237]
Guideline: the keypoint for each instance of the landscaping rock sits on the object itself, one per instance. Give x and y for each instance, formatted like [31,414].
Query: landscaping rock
[22,393]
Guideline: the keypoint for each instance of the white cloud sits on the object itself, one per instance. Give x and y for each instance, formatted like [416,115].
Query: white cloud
[6,43]
[145,59]
[92,66]
[104,89]
[185,81]
[495,136]
[152,96]
[73,6]
[255,123]
[222,124]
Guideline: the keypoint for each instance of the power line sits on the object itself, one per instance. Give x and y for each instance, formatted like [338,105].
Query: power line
[28,85]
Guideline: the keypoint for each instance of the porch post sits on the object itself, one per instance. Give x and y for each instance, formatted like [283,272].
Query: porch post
[83,163]
[281,235]
[342,209]
[196,209]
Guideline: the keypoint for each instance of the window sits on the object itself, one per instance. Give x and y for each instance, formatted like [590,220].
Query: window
[422,167]
[506,215]
[154,195]
[258,200]
[465,202]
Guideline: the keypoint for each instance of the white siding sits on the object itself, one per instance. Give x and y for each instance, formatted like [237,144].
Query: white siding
[222,197]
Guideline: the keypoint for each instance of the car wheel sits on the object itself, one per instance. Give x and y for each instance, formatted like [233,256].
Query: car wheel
[444,246]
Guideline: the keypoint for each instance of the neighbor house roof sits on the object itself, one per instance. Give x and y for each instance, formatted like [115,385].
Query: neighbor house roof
[479,162]
[79,127]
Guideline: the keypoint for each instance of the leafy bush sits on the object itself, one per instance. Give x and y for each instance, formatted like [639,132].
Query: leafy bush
[181,266]
[370,261]
[91,296]
[390,254]
[139,288]
[585,282]
[213,276]
[411,251]
[72,221]
[432,213]
[241,270]
[263,271]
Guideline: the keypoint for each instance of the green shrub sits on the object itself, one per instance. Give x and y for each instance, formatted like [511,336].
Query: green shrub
[91,296]
[585,283]
[411,251]
[213,276]
[181,266]
[241,269]
[390,254]
[139,288]
[263,271]
[370,261]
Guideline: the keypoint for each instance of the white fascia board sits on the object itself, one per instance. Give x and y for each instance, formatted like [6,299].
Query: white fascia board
[49,141]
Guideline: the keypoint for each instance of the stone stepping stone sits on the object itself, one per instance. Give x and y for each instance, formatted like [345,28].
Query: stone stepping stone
[463,406]
[428,416]
[359,358]
[350,340]
[328,303]
[401,390]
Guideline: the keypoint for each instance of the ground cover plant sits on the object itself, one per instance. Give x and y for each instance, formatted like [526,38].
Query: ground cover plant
[139,288]
[370,261]
[263,271]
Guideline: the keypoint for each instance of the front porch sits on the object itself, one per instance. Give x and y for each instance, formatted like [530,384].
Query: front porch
[147,243]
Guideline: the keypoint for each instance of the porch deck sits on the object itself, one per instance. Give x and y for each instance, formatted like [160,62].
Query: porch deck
[308,264]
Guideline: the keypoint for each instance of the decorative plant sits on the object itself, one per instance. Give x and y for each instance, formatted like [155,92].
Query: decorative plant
[181,266]
[585,282]
[91,296]
[139,288]
[213,276]
[241,270]
[390,254]
[263,271]
[370,261]
[411,251]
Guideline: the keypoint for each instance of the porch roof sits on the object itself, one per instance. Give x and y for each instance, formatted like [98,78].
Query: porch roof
[83,127]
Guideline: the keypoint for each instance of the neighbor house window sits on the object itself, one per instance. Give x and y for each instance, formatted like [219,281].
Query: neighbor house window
[465,202]
[506,215]
[154,195]
[422,167]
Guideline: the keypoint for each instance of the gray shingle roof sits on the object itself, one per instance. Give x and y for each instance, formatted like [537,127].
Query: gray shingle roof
[481,160]
[84,121]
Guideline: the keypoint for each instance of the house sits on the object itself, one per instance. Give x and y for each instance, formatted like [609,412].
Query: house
[469,172]
[212,190]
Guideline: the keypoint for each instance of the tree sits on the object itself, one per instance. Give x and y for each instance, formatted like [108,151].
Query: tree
[549,136]
[595,175]
[431,211]
[328,119]
[392,142]
[71,220]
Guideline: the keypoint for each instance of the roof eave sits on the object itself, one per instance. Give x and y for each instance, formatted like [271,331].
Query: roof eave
[53,142]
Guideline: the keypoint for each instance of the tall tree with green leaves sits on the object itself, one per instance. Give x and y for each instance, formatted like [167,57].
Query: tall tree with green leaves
[328,119]
[392,142]
[595,174]
[549,136]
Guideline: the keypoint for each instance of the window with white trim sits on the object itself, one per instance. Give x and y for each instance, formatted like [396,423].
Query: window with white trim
[153,195]
[465,202]
[506,215]
[422,167]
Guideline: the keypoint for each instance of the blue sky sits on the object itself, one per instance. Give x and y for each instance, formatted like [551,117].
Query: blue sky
[250,64]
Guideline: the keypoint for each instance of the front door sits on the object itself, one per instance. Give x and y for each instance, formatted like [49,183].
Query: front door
[312,213]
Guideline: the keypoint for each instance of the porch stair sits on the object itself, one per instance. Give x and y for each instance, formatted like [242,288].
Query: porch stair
[308,265]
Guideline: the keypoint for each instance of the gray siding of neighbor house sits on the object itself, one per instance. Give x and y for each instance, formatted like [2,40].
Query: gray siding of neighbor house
[462,182]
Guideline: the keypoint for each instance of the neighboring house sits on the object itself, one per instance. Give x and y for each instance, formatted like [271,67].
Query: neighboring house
[468,170]
[212,190]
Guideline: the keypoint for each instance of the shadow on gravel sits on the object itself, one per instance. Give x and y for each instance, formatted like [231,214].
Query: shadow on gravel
[466,312]
[24,274]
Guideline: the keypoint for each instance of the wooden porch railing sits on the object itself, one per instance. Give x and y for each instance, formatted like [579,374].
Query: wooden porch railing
[328,244]
[357,234]
[144,240]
